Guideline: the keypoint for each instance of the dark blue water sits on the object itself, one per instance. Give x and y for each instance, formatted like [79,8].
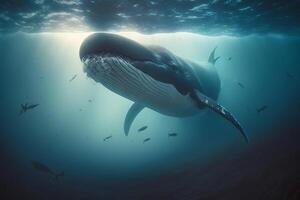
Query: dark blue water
[67,129]
[259,45]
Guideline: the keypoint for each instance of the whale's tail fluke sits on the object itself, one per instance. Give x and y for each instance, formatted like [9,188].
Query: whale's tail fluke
[212,58]
[133,111]
[201,99]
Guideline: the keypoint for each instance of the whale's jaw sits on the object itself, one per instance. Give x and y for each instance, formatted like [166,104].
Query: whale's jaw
[120,76]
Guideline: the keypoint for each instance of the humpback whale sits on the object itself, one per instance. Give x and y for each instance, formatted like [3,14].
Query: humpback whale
[153,77]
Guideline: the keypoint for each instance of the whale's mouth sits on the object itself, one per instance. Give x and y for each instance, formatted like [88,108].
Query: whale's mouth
[105,56]
[99,65]
[103,63]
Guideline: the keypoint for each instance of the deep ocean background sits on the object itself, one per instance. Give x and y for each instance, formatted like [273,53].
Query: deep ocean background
[207,160]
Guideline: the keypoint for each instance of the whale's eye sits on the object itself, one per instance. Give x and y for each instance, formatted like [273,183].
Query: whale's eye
[172,64]
[175,68]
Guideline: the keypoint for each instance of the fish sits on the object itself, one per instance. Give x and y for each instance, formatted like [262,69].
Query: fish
[154,77]
[172,134]
[108,137]
[45,169]
[262,108]
[73,78]
[25,107]
[241,85]
[142,128]
[146,140]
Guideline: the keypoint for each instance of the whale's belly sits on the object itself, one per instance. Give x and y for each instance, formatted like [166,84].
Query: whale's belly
[124,79]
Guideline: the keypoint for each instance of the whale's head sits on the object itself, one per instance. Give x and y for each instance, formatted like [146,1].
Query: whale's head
[101,52]
[107,44]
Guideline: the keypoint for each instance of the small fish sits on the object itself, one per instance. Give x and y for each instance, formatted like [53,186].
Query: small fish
[260,109]
[172,134]
[142,128]
[73,78]
[229,58]
[25,107]
[45,169]
[108,137]
[146,140]
[241,85]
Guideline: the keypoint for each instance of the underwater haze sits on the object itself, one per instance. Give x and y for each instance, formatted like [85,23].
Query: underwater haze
[66,131]
[62,133]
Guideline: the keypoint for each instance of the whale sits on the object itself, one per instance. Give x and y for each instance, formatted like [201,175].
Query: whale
[153,77]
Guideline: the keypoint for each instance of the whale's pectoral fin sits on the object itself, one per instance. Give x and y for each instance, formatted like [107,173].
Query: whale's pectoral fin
[133,111]
[201,100]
